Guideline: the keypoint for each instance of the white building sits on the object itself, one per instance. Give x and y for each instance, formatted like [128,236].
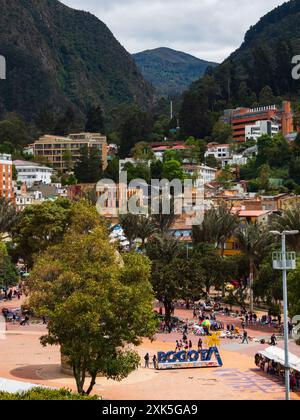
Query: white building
[260,128]
[218,151]
[202,171]
[30,172]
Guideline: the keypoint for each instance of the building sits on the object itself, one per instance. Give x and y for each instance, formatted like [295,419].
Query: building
[223,153]
[6,177]
[260,128]
[202,171]
[218,151]
[30,172]
[241,117]
[55,149]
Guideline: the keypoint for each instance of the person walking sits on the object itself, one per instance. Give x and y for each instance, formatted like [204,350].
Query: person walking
[245,338]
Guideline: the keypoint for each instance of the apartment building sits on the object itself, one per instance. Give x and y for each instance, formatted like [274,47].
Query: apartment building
[260,128]
[6,177]
[241,117]
[31,172]
[55,149]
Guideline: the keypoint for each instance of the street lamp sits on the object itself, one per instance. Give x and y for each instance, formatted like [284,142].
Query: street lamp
[285,261]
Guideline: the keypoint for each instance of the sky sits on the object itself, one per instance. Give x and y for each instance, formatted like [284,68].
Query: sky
[208,29]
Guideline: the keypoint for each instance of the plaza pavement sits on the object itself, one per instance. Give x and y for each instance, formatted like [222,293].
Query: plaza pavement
[22,358]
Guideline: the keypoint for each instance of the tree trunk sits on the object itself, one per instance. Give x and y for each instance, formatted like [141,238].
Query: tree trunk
[80,379]
[92,384]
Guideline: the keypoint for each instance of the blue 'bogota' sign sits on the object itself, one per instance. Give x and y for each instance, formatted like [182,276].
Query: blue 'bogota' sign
[189,359]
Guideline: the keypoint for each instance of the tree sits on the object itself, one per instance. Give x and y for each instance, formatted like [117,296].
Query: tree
[95,120]
[8,217]
[290,220]
[254,241]
[164,220]
[97,304]
[89,169]
[222,133]
[218,226]
[65,123]
[294,292]
[263,180]
[266,96]
[163,250]
[135,128]
[113,170]
[172,170]
[143,152]
[8,273]
[43,394]
[67,158]
[129,223]
[39,227]
[145,228]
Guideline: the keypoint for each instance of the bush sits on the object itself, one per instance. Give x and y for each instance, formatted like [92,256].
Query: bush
[45,394]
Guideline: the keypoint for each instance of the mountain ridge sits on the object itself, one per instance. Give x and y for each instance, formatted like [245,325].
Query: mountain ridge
[58,56]
[170,71]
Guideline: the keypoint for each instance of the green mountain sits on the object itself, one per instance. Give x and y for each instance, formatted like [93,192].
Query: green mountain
[57,56]
[170,72]
[259,71]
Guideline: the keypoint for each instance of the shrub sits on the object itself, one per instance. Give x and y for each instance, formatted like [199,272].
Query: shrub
[45,394]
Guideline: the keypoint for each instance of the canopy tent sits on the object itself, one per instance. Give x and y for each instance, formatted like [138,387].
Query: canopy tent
[277,355]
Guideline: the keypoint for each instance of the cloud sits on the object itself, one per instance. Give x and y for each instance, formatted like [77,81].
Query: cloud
[209,29]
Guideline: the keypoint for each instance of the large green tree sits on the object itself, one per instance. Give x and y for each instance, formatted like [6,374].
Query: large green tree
[40,226]
[99,304]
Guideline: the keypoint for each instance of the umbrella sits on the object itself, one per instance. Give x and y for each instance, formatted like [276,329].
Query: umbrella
[206,323]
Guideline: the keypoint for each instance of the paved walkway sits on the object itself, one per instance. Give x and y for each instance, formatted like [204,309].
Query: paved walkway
[22,358]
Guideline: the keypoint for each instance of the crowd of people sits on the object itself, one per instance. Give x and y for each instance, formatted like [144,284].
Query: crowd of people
[275,369]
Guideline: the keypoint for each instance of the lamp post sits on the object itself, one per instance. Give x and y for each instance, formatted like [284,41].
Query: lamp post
[285,261]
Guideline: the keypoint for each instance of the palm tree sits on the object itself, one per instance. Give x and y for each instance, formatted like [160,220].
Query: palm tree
[129,223]
[290,220]
[163,221]
[218,226]
[164,248]
[9,217]
[145,229]
[254,241]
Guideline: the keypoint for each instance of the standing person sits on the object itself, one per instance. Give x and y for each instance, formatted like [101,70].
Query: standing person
[154,360]
[279,320]
[245,338]
[247,319]
[190,345]
[177,346]
[200,344]
[147,360]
